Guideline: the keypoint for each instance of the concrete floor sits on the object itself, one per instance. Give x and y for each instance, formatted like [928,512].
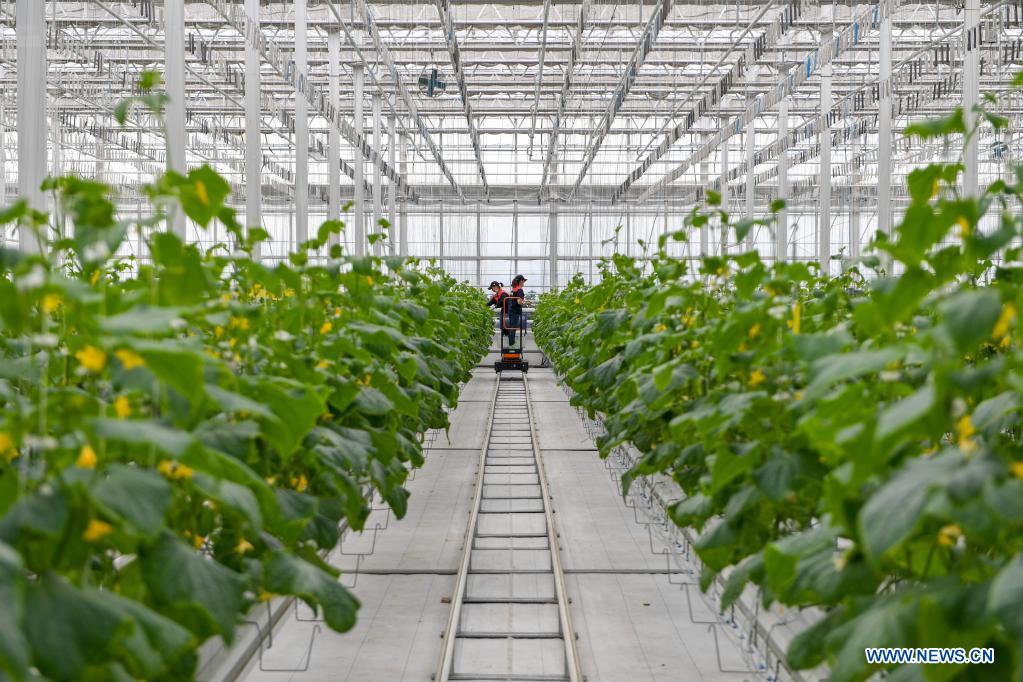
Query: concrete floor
[633,624]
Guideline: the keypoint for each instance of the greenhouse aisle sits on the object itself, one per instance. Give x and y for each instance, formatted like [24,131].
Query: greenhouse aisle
[632,623]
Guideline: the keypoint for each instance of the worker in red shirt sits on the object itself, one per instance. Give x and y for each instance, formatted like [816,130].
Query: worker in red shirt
[497,300]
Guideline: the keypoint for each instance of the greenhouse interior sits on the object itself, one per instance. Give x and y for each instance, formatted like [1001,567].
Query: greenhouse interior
[517,340]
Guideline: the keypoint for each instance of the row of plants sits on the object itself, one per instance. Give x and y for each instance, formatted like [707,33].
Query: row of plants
[181,438]
[846,442]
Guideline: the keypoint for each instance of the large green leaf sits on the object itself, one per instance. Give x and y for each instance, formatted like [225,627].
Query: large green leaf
[287,574]
[196,591]
[145,432]
[14,658]
[69,628]
[138,496]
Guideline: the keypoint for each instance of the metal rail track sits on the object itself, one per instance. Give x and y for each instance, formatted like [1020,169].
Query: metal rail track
[510,617]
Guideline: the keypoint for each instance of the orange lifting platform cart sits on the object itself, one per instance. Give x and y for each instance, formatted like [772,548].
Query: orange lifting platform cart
[511,353]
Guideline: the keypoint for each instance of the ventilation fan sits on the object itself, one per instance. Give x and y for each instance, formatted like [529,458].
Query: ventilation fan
[430,84]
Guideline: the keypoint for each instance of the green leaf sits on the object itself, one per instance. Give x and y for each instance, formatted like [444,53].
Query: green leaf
[197,592]
[938,127]
[142,320]
[144,432]
[287,574]
[202,195]
[13,646]
[891,514]
[1006,595]
[138,496]
[69,628]
[903,413]
[970,316]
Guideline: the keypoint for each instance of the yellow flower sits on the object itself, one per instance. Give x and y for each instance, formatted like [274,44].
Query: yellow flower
[722,270]
[93,359]
[300,483]
[326,327]
[323,364]
[95,276]
[797,314]
[50,303]
[122,406]
[265,596]
[86,458]
[240,322]
[218,331]
[7,449]
[364,381]
[948,535]
[201,193]
[198,541]
[1004,322]
[756,377]
[175,470]
[935,186]
[1017,469]
[129,358]
[577,300]
[964,226]
[798,395]
[369,280]
[661,328]
[337,312]
[695,344]
[232,343]
[771,291]
[243,546]
[97,530]
[964,434]
[754,330]
[742,347]
[288,293]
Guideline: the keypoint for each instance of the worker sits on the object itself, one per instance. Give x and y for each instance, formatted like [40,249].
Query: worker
[515,299]
[497,300]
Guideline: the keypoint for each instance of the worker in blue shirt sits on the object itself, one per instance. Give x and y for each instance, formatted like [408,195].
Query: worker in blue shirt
[515,298]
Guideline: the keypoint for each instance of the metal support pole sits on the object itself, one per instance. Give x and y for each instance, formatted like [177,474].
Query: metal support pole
[971,93]
[553,251]
[884,132]
[479,246]
[751,188]
[378,199]
[824,221]
[589,215]
[359,179]
[253,122]
[392,189]
[724,191]
[333,134]
[403,214]
[781,228]
[854,208]
[31,96]
[177,139]
[440,233]
[301,123]
[3,155]
[515,235]
[704,181]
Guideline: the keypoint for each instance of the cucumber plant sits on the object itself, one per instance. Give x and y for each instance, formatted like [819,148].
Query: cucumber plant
[847,442]
[181,437]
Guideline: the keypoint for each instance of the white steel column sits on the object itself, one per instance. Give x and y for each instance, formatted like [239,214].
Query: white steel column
[3,155]
[479,246]
[724,191]
[360,203]
[392,188]
[177,140]
[301,123]
[403,214]
[333,134]
[440,232]
[884,132]
[854,208]
[31,95]
[378,200]
[824,221]
[971,93]
[751,189]
[553,252]
[704,181]
[781,229]
[253,123]
[515,235]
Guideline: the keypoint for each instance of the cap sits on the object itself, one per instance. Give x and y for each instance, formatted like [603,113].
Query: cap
[493,284]
[519,278]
